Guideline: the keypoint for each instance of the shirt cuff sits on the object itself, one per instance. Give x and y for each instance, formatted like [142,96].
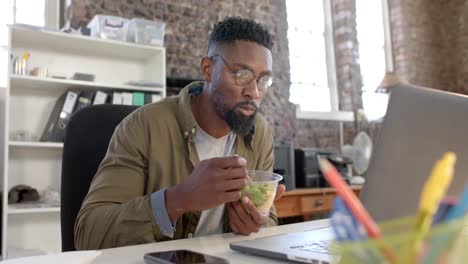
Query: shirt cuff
[158,206]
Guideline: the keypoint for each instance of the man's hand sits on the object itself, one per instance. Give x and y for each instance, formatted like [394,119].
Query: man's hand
[213,182]
[245,218]
[280,189]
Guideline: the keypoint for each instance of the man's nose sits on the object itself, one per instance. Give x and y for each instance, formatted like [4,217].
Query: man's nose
[251,91]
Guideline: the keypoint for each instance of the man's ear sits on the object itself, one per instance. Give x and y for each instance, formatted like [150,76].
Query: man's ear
[206,68]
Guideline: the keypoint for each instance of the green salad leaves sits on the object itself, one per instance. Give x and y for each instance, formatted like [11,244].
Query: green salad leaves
[256,193]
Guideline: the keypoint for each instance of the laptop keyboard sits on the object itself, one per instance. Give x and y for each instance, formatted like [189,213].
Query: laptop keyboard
[318,246]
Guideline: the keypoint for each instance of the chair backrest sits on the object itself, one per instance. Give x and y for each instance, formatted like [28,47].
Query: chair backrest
[87,137]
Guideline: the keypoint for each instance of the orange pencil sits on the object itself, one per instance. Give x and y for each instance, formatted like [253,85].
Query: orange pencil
[354,205]
[350,199]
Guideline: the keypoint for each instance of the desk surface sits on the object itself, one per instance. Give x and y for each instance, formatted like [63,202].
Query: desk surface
[217,245]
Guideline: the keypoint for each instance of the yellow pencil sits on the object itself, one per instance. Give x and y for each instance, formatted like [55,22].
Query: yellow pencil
[434,189]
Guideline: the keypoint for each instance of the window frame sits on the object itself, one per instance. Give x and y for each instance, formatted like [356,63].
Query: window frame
[52,14]
[335,114]
[388,49]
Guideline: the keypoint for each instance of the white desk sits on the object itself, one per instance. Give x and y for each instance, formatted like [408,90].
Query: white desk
[217,245]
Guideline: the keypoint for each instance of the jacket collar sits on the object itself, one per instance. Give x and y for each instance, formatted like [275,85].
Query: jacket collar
[187,122]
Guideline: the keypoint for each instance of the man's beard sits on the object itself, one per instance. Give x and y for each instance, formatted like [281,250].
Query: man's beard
[240,124]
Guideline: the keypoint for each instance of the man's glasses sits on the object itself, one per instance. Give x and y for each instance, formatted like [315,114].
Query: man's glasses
[244,77]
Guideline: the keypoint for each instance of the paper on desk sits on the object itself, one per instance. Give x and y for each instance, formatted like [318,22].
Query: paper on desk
[75,257]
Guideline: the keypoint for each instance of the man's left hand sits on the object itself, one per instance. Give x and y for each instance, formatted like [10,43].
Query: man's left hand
[245,218]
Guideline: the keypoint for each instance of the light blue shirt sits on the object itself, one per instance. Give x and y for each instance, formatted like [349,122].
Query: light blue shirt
[158,204]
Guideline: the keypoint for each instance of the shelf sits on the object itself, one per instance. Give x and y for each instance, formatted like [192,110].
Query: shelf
[15,252]
[43,39]
[29,101]
[30,144]
[31,82]
[32,208]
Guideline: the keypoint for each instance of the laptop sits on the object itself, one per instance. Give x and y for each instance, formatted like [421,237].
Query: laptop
[421,124]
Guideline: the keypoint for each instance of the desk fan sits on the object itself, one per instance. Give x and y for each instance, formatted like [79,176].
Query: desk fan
[360,153]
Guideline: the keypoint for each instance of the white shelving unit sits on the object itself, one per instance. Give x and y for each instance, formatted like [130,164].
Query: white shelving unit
[30,208]
[29,100]
[28,82]
[31,144]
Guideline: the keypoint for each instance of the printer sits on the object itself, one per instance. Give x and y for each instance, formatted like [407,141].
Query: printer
[308,173]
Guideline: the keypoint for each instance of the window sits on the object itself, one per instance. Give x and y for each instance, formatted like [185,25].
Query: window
[372,55]
[30,12]
[310,35]
[307,56]
[312,61]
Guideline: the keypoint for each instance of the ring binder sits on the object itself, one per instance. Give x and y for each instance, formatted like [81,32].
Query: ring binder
[58,119]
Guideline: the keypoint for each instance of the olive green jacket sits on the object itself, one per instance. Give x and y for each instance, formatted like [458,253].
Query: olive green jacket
[152,149]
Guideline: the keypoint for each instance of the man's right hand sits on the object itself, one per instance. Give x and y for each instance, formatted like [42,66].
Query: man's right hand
[213,182]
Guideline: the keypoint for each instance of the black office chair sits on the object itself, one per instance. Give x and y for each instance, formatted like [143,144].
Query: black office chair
[86,140]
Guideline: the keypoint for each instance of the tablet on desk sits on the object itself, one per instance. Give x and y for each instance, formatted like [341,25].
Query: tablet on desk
[181,257]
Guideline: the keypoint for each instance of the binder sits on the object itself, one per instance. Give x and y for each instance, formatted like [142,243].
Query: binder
[138,98]
[100,98]
[58,119]
[127,98]
[152,98]
[84,99]
[148,98]
[117,98]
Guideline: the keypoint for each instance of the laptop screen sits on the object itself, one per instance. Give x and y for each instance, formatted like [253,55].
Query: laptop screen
[421,124]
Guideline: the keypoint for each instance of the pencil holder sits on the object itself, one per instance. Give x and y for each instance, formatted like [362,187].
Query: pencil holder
[444,243]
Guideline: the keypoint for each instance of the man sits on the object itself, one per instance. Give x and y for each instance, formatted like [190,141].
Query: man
[175,169]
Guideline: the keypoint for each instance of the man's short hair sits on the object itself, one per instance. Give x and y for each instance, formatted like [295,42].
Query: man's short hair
[236,28]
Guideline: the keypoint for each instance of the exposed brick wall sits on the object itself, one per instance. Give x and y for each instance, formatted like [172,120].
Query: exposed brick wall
[188,24]
[347,54]
[430,43]
[462,47]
